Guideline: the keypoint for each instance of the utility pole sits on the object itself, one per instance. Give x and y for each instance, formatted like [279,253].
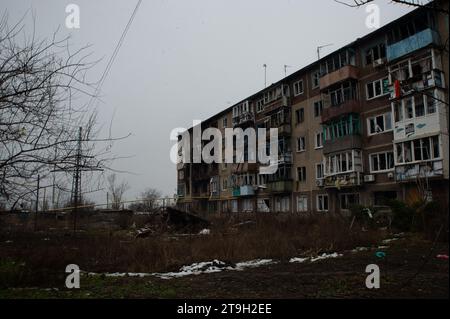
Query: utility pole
[37,203]
[77,182]
[285,69]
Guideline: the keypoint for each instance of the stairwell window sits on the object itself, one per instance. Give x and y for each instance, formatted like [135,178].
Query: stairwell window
[319,140]
[318,108]
[380,124]
[298,87]
[301,144]
[301,174]
[322,202]
[315,77]
[319,171]
[299,115]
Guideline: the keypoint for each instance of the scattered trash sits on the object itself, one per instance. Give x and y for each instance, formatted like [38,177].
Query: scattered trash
[204,231]
[380,254]
[442,257]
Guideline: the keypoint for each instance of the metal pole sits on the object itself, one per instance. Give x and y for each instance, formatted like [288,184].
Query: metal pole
[265,74]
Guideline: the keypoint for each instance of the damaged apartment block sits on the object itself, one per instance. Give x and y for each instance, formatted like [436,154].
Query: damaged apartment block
[358,126]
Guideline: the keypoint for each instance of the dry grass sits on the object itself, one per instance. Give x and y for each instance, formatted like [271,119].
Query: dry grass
[42,257]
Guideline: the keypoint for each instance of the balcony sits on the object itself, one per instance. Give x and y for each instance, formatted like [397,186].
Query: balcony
[344,180]
[411,172]
[280,186]
[347,142]
[344,73]
[411,44]
[247,190]
[244,118]
[350,106]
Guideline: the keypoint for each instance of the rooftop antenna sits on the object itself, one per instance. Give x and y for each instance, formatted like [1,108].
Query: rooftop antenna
[320,48]
[265,74]
[285,68]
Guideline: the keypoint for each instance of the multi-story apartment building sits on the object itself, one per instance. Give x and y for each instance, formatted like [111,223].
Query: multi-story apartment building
[360,125]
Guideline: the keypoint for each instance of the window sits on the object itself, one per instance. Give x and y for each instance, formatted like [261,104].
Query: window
[302,203]
[381,162]
[319,171]
[347,200]
[298,87]
[322,203]
[318,108]
[300,115]
[374,53]
[301,173]
[383,198]
[301,144]
[421,149]
[380,124]
[315,79]
[224,122]
[234,206]
[342,162]
[377,88]
[260,105]
[319,140]
[414,106]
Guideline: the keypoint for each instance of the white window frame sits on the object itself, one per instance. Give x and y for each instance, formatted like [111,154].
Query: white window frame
[317,171]
[303,207]
[260,105]
[320,134]
[413,156]
[297,87]
[373,88]
[385,120]
[225,122]
[320,200]
[371,168]
[319,104]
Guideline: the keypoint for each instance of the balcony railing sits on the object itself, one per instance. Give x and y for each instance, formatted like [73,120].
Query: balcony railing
[342,74]
[411,44]
[349,106]
[280,186]
[347,142]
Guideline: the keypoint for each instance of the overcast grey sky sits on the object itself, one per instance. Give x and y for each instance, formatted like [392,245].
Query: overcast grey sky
[188,59]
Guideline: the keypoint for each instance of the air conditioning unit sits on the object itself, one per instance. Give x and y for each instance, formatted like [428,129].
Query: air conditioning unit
[378,63]
[390,175]
[369,178]
[319,182]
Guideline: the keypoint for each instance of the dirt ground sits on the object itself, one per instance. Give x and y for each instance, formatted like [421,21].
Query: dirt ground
[408,271]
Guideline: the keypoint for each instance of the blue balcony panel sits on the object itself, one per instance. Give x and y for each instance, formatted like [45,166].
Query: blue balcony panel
[412,43]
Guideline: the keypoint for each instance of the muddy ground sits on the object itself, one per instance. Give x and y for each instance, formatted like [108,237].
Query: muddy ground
[408,271]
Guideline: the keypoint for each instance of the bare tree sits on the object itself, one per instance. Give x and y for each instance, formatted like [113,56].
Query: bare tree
[116,189]
[414,3]
[40,83]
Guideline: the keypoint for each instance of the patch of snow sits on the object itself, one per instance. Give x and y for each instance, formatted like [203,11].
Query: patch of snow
[121,274]
[326,256]
[204,267]
[383,247]
[204,231]
[254,263]
[298,260]
[8,242]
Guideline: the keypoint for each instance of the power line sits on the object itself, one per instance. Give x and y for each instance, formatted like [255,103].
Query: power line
[115,52]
